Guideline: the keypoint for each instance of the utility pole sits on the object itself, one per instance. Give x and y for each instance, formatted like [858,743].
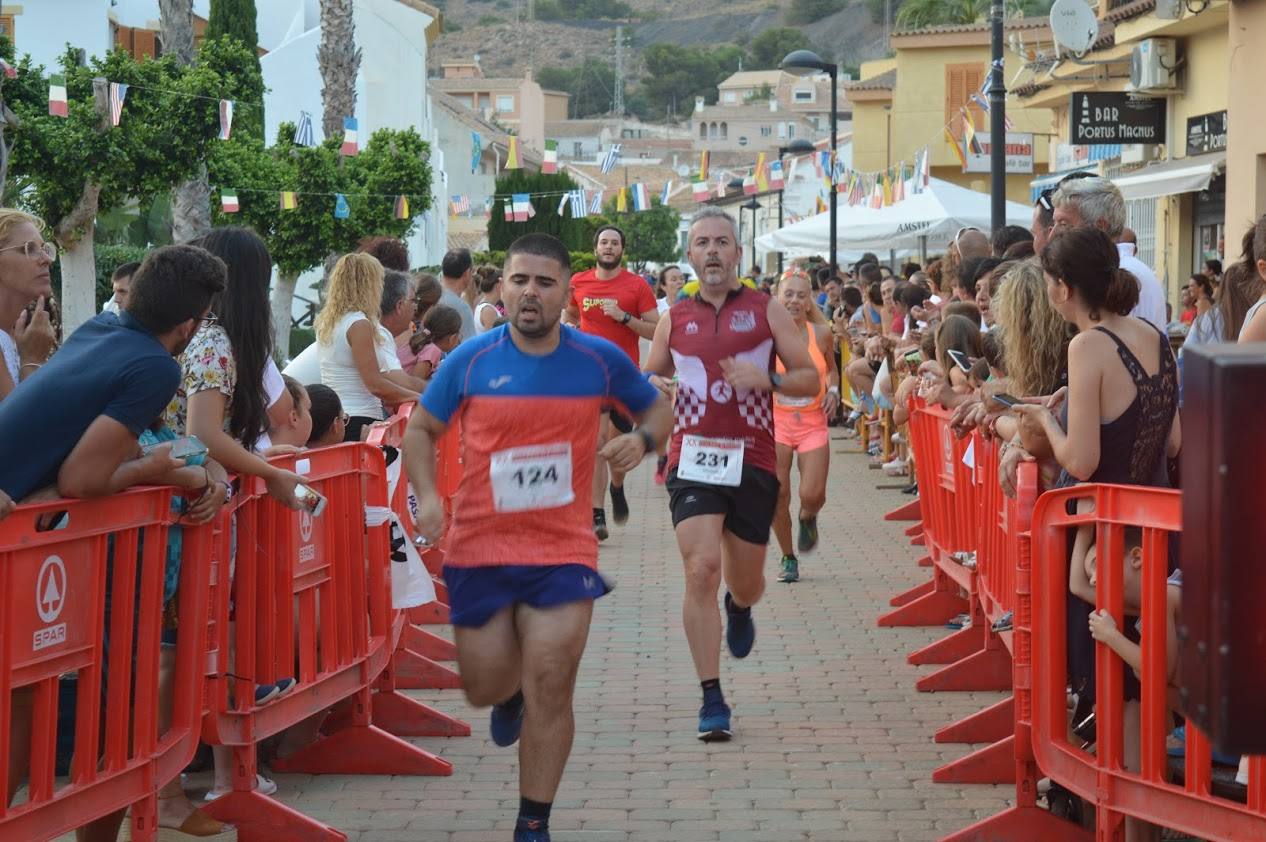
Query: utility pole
[618,105]
[997,122]
[887,23]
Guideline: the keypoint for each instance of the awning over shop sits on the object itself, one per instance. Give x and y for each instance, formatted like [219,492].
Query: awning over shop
[1185,175]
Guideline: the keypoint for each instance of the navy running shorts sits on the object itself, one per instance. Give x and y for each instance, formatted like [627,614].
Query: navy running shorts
[475,594]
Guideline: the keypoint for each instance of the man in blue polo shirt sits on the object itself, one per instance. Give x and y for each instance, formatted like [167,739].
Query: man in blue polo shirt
[74,423]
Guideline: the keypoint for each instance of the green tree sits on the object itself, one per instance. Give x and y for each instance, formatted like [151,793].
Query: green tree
[651,235]
[590,86]
[236,19]
[392,163]
[809,11]
[920,14]
[677,74]
[582,9]
[573,232]
[68,170]
[769,48]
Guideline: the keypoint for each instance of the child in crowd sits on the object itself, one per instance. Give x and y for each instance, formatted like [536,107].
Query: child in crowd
[441,332]
[426,295]
[294,431]
[329,421]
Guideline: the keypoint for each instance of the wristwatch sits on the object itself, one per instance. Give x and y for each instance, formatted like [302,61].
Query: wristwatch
[628,317]
[648,441]
[775,381]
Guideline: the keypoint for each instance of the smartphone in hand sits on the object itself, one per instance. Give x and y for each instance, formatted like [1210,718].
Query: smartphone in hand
[1006,400]
[960,359]
[914,358]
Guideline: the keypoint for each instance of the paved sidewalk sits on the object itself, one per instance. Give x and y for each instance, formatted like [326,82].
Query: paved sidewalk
[831,740]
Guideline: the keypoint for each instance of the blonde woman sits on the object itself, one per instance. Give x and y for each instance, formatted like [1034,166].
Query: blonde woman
[355,351]
[26,340]
[800,425]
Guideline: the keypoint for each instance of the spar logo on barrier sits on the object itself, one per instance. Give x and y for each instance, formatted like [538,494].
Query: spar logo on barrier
[307,550]
[50,599]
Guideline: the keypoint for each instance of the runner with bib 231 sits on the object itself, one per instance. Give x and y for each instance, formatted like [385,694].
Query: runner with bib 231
[721,342]
[521,558]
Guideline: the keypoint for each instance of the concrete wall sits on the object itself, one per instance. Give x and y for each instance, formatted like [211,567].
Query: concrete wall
[1246,140]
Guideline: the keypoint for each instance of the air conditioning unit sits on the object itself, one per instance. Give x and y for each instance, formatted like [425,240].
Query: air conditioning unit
[1152,65]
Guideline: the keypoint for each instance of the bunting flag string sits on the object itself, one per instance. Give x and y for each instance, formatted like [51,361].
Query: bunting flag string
[549,164]
[304,134]
[668,191]
[595,207]
[611,159]
[461,204]
[351,143]
[289,201]
[476,151]
[228,201]
[641,197]
[9,70]
[704,159]
[341,209]
[57,104]
[226,118]
[969,133]
[701,191]
[512,155]
[402,207]
[118,93]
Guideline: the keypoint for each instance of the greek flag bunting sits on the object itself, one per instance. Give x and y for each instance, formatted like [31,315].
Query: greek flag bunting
[304,134]
[611,159]
[668,190]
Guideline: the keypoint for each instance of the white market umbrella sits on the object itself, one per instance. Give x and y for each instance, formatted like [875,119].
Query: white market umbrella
[935,214]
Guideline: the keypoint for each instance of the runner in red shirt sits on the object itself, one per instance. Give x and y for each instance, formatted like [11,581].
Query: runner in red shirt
[722,478]
[612,302]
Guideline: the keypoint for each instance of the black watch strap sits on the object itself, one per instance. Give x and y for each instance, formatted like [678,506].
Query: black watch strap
[648,441]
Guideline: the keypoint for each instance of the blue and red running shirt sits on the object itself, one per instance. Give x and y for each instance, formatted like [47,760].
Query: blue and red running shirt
[526,422]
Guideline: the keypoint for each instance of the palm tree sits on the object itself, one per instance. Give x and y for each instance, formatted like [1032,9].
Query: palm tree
[920,14]
[339,59]
[191,201]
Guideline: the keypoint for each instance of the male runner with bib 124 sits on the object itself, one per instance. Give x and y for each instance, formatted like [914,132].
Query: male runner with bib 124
[722,478]
[612,302]
[521,557]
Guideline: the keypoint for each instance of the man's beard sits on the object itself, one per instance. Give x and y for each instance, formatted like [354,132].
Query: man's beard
[609,264]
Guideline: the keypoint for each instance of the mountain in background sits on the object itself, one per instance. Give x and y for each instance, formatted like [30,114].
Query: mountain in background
[674,51]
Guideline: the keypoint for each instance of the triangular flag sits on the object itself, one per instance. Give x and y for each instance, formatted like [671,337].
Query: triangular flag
[402,207]
[289,200]
[521,203]
[351,144]
[57,105]
[668,189]
[702,194]
[228,201]
[226,118]
[341,210]
[704,160]
[958,148]
[512,155]
[762,181]
[549,164]
[118,93]
[476,151]
[775,175]
[622,201]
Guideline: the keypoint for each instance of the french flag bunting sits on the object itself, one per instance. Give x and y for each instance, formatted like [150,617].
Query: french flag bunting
[351,144]
[522,205]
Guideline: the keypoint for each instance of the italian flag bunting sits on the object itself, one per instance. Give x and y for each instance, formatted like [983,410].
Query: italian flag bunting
[57,105]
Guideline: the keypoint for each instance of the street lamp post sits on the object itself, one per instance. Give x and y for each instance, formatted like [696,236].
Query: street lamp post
[997,122]
[797,146]
[806,63]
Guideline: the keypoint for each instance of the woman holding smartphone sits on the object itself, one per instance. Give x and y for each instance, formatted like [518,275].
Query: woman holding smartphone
[800,426]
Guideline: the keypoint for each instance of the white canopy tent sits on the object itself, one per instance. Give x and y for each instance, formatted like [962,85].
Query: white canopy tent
[929,218]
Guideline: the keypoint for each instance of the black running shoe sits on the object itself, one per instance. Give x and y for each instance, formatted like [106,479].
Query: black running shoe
[619,506]
[600,524]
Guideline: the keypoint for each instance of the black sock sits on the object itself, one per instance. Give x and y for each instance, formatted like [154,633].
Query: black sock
[533,815]
[733,608]
[516,699]
[599,512]
[712,690]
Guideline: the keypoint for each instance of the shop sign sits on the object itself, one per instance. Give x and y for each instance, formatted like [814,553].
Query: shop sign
[1206,133]
[1019,153]
[1100,118]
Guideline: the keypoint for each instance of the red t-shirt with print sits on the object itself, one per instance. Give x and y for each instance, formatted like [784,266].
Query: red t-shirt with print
[632,295]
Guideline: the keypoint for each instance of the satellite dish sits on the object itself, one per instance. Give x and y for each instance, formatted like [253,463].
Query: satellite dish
[1074,25]
[683,170]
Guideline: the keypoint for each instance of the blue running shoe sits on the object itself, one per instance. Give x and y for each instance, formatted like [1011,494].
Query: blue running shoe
[507,721]
[525,832]
[740,630]
[714,722]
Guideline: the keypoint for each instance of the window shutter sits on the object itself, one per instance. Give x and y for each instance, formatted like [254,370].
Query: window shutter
[144,44]
[961,81]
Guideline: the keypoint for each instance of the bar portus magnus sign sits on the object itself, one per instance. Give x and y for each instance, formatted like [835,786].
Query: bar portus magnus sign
[1103,118]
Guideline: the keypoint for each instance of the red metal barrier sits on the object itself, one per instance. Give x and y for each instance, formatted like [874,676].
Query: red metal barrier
[1100,778]
[53,609]
[312,600]
[1002,541]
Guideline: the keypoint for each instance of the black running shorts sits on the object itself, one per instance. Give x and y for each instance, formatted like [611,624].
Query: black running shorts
[621,422]
[748,508]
